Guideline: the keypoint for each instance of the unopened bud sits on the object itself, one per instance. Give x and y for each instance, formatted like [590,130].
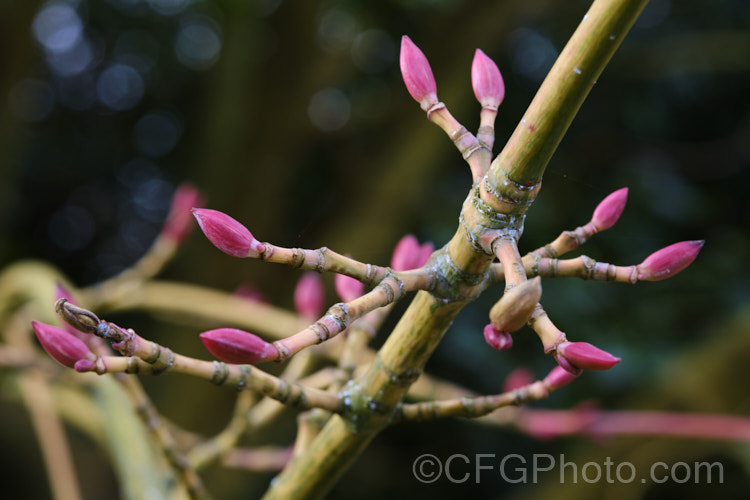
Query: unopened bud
[417,74]
[497,339]
[515,307]
[576,356]
[238,347]
[348,288]
[66,348]
[559,377]
[227,234]
[78,317]
[178,223]
[669,261]
[250,292]
[608,211]
[309,296]
[409,254]
[487,81]
[516,379]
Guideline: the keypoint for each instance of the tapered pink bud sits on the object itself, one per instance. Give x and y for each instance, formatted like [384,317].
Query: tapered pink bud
[487,81]
[61,345]
[348,288]
[558,377]
[417,74]
[238,347]
[178,223]
[309,296]
[517,378]
[583,356]
[497,339]
[227,234]
[409,254]
[250,292]
[669,261]
[608,211]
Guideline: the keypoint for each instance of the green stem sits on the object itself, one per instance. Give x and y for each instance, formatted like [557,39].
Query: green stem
[462,267]
[576,70]
[399,363]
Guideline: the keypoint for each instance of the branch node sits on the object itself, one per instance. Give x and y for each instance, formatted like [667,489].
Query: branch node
[221,373]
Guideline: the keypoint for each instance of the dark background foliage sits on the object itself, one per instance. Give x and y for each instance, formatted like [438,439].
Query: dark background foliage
[292,117]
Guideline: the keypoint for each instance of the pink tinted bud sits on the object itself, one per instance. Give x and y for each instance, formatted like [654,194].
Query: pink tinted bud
[403,254]
[63,293]
[61,345]
[85,365]
[584,356]
[425,252]
[178,223]
[497,339]
[348,288]
[608,211]
[227,234]
[250,292]
[409,254]
[238,347]
[417,74]
[559,377]
[669,261]
[487,81]
[516,379]
[309,296]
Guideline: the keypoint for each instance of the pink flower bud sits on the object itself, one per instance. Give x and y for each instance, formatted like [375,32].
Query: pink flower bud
[177,225]
[227,234]
[309,296]
[516,379]
[238,347]
[497,339]
[348,288]
[425,252]
[417,74]
[558,377]
[487,81]
[85,365]
[608,211]
[408,254]
[61,345]
[583,356]
[250,292]
[669,261]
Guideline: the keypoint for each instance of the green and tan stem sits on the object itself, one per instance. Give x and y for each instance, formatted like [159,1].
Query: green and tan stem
[564,243]
[507,253]
[463,266]
[163,438]
[340,316]
[144,356]
[475,152]
[530,147]
[261,459]
[473,407]
[486,132]
[207,452]
[249,414]
[325,260]
[583,267]
[151,358]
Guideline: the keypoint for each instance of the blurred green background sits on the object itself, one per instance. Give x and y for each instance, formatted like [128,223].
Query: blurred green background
[292,117]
